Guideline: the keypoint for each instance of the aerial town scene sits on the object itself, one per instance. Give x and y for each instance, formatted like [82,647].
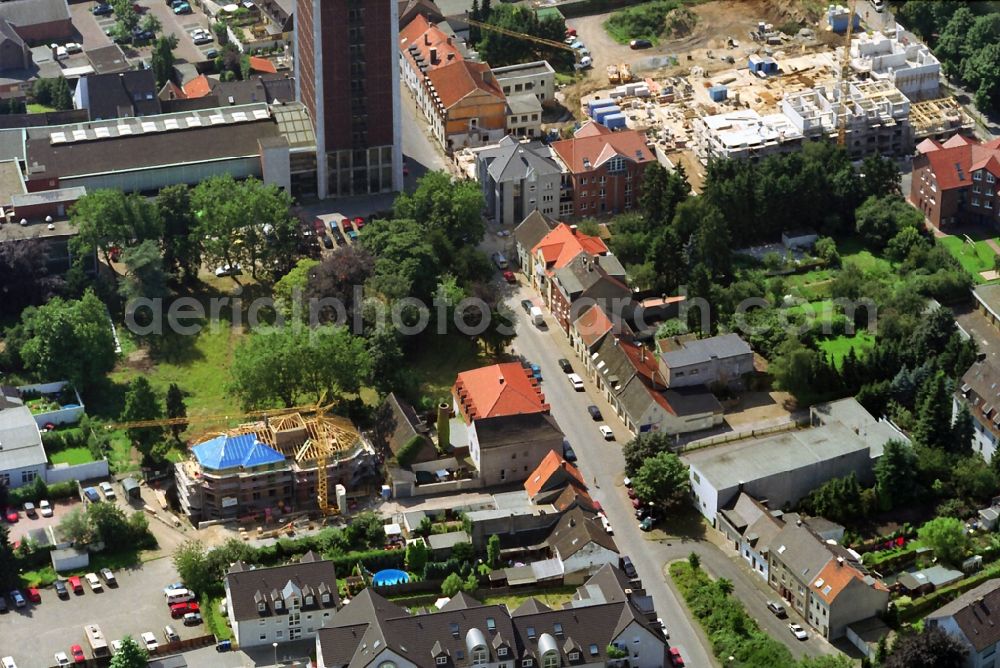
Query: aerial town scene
[500,333]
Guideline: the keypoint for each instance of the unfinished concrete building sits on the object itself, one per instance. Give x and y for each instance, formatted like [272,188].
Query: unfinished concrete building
[900,59]
[744,134]
[878,117]
[940,119]
[270,467]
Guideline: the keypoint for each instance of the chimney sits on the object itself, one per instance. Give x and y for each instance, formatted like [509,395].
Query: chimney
[449,40]
[427,39]
[444,426]
[573,229]
[434,55]
[840,562]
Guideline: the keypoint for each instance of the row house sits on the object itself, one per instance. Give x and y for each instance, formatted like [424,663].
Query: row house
[556,250]
[969,619]
[978,391]
[518,179]
[955,182]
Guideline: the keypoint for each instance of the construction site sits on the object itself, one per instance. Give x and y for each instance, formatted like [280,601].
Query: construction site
[766,92]
[275,469]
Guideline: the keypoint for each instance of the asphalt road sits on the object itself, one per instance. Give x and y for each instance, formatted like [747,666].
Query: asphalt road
[602,465]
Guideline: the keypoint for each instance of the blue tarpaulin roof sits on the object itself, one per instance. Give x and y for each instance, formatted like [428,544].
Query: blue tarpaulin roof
[226,452]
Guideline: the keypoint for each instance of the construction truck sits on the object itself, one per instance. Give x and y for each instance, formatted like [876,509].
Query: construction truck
[614,76]
[625,72]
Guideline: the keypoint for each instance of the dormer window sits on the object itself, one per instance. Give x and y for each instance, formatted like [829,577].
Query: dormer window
[441,660]
[325,598]
[278,604]
[310,600]
[574,656]
[531,633]
[977,175]
[527,663]
[491,624]
[502,651]
[557,627]
[593,650]
[261,607]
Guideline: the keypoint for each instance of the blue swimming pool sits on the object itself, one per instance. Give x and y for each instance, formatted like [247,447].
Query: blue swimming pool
[390,576]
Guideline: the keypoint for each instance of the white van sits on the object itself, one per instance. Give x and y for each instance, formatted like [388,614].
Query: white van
[179,596]
[500,260]
[575,381]
[537,317]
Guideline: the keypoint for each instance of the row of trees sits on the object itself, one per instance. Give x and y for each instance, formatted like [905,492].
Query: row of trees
[499,49]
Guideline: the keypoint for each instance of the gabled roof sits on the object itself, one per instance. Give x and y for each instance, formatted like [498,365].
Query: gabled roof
[592,146]
[23,13]
[411,8]
[130,93]
[258,64]
[701,351]
[565,242]
[533,229]
[928,145]
[20,440]
[594,276]
[553,472]
[198,87]
[226,452]
[593,325]
[973,613]
[426,46]
[248,587]
[523,428]
[459,79]
[396,424]
[513,160]
[837,576]
[573,497]
[803,552]
[500,389]
[954,161]
[575,531]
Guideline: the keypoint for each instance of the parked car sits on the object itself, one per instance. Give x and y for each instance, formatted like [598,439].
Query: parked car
[62,659]
[11,515]
[568,453]
[77,653]
[170,634]
[509,277]
[109,577]
[647,523]
[607,525]
[17,598]
[192,619]
[178,610]
[182,8]
[211,53]
[108,491]
[676,659]
[8,662]
[565,365]
[798,631]
[29,509]
[73,47]
[74,583]
[3,604]
[327,242]
[226,270]
[663,628]
[149,640]
[643,512]
[116,646]
[628,568]
[595,412]
[640,44]
[536,371]
[140,35]
[61,590]
[45,508]
[95,584]
[575,381]
[499,260]
[33,594]
[606,432]
[102,9]
[526,305]
[777,609]
[201,36]
[91,494]
[338,237]
[173,587]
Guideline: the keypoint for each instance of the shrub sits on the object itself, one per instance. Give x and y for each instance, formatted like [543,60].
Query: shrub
[645,21]
[409,450]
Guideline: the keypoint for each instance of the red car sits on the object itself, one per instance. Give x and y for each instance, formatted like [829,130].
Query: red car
[675,657]
[509,277]
[348,225]
[636,503]
[178,610]
[11,515]
[33,595]
[359,222]
[77,653]
[74,583]
[319,226]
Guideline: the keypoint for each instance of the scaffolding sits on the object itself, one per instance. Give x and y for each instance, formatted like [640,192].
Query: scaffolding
[939,119]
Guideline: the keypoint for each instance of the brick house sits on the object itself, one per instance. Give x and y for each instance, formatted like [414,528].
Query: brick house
[955,182]
[588,280]
[604,170]
[39,21]
[556,250]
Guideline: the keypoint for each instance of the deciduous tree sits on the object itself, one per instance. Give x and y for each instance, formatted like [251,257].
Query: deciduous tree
[144,272]
[663,480]
[642,447]
[130,655]
[108,219]
[930,647]
[142,404]
[947,537]
[181,244]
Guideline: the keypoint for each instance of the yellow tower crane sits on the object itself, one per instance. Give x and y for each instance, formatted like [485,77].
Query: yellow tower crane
[520,35]
[845,67]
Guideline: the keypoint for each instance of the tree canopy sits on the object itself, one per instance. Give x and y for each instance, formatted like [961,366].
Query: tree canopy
[663,481]
[930,647]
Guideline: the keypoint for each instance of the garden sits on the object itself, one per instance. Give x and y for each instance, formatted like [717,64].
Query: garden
[977,257]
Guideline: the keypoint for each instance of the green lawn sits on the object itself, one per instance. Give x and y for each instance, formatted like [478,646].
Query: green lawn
[974,259]
[71,456]
[838,348]
[438,358]
[853,251]
[215,621]
[823,310]
[35,108]
[554,597]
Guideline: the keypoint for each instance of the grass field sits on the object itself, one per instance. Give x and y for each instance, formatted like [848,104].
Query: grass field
[439,358]
[974,259]
[853,251]
[214,620]
[35,108]
[71,456]
[823,310]
[839,347]
[554,597]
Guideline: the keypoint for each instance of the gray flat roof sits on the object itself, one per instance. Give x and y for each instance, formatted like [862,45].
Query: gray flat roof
[700,351]
[36,230]
[989,296]
[853,415]
[726,466]
[523,70]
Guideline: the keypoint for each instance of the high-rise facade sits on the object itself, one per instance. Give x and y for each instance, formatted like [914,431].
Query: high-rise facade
[347,62]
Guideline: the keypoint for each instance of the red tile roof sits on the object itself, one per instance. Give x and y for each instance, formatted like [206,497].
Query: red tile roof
[459,79]
[198,87]
[647,367]
[550,466]
[928,145]
[501,389]
[593,145]
[258,64]
[593,324]
[425,36]
[954,161]
[563,243]
[835,577]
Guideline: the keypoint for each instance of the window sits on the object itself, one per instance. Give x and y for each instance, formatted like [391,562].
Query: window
[990,178]
[531,633]
[557,628]
[583,194]
[616,164]
[310,600]
[550,660]
[593,650]
[989,204]
[261,608]
[263,622]
[502,651]
[453,627]
[527,663]
[325,598]
[604,180]
[480,656]
[574,656]
[529,85]
[976,189]
[977,175]
[975,201]
[387,664]
[491,624]
[441,660]
[263,636]
[279,634]
[602,192]
[27,476]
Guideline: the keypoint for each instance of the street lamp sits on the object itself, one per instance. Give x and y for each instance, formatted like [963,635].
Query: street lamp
[275,646]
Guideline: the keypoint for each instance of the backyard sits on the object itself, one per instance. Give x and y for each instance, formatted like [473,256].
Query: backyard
[839,347]
[975,258]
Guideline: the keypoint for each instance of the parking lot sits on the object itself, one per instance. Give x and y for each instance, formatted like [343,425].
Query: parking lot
[33,634]
[26,525]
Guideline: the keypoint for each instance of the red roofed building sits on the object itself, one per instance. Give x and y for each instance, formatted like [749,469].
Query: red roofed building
[508,427]
[258,64]
[557,249]
[955,182]
[605,169]
[200,86]
[551,477]
[461,99]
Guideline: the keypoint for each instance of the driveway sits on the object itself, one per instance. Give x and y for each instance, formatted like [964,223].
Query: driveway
[27,524]
[135,606]
[602,465]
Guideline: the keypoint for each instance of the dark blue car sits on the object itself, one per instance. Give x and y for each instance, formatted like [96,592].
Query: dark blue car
[91,494]
[102,10]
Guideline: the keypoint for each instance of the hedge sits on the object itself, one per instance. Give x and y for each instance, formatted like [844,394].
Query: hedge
[912,610]
[35,492]
[409,450]
[373,560]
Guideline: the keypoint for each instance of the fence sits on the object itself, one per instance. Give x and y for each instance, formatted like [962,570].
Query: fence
[62,416]
[740,435]
[86,471]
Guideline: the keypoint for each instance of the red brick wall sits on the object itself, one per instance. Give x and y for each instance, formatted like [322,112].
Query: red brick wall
[47,32]
[615,197]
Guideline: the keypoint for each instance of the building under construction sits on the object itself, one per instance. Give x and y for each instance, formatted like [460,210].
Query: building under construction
[271,467]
